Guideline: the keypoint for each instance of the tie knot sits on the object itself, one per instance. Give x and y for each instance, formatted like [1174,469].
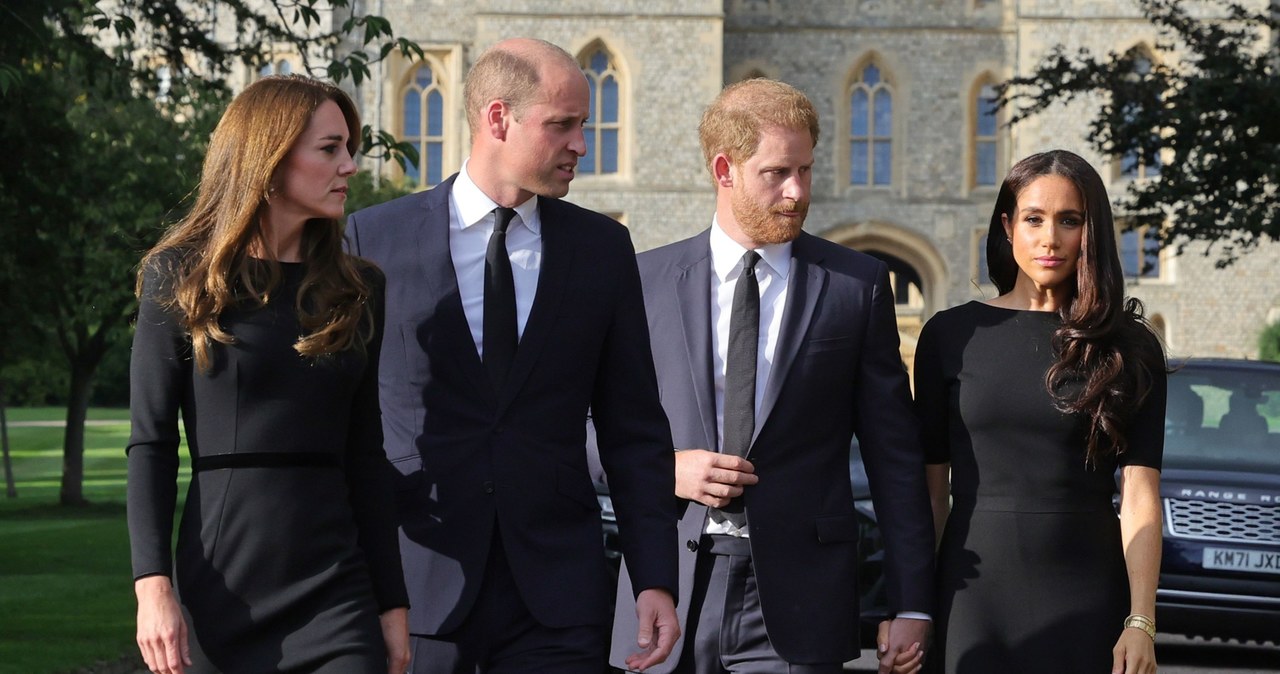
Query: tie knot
[749,260]
[502,218]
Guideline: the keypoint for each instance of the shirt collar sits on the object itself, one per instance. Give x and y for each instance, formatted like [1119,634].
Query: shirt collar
[726,255]
[474,205]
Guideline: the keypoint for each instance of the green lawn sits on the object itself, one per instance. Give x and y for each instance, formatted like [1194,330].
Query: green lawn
[60,413]
[66,600]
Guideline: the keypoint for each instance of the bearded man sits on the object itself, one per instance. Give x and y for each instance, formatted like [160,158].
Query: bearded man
[773,348]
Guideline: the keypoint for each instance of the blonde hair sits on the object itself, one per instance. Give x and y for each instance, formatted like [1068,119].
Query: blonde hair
[733,122]
[207,251]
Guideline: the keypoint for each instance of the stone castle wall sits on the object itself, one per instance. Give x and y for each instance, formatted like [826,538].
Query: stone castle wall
[674,56]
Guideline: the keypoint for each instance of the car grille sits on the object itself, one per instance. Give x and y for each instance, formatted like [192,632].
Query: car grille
[1220,521]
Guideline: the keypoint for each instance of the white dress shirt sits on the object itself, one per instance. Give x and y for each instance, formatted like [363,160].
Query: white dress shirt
[771,273]
[471,221]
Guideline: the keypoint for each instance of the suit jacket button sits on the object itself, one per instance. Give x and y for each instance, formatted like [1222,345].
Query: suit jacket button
[692,545]
[488,487]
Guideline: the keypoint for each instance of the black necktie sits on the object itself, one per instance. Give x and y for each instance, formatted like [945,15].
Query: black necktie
[740,373]
[500,333]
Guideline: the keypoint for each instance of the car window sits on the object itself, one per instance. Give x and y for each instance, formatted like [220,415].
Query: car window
[858,472]
[1223,419]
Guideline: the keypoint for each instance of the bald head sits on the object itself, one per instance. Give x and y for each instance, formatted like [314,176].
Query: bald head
[510,71]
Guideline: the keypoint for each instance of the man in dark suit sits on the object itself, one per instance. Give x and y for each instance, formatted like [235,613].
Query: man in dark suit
[509,314]
[776,347]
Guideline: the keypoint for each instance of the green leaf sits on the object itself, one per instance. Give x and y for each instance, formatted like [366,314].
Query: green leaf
[336,71]
[410,49]
[9,77]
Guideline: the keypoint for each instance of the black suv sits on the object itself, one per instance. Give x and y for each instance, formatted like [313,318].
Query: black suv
[1220,575]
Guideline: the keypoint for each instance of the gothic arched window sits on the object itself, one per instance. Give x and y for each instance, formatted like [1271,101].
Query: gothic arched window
[870,128]
[422,112]
[604,123]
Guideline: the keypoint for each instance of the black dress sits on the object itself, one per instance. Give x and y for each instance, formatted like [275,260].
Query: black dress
[287,549]
[1031,572]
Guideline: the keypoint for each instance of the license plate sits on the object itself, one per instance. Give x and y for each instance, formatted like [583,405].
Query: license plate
[1253,561]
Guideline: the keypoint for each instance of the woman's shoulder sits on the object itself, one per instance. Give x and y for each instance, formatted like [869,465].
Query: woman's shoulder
[165,261]
[1138,336]
[969,312]
[946,326]
[160,271]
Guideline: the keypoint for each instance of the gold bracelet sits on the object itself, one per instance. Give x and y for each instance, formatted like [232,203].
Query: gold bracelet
[1143,623]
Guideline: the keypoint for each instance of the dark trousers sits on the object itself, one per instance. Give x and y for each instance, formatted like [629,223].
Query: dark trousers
[500,636]
[726,631]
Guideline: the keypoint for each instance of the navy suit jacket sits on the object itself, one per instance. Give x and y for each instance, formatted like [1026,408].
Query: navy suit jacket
[836,372]
[471,457]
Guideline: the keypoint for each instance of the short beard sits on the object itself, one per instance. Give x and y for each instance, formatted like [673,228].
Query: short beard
[763,225]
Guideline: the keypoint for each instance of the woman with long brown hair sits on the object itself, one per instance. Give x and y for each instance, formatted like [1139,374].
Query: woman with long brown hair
[1029,403]
[262,334]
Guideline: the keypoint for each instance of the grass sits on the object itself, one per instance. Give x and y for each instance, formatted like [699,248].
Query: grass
[66,600]
[60,414]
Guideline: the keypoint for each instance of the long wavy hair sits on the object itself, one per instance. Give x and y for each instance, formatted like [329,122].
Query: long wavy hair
[207,251]
[1104,343]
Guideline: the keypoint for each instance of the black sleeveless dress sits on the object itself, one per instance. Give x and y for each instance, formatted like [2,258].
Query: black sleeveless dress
[287,549]
[1031,572]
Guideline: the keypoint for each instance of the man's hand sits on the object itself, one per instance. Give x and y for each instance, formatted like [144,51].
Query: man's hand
[395,634]
[711,478]
[901,644]
[659,629]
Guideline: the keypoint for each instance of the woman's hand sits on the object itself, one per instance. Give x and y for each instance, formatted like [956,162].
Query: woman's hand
[395,634]
[162,631]
[1135,653]
[907,661]
[1140,533]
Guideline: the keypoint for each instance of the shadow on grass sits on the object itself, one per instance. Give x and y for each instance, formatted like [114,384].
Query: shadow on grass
[109,510]
[67,600]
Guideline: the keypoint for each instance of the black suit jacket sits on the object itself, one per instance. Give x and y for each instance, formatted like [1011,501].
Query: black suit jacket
[836,372]
[471,457]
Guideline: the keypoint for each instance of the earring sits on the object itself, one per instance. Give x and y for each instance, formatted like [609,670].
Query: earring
[1008,240]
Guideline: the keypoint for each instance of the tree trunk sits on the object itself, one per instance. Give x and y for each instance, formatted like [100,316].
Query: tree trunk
[72,493]
[10,489]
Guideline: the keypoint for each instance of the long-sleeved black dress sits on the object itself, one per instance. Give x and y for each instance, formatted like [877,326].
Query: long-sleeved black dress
[1031,570]
[287,549]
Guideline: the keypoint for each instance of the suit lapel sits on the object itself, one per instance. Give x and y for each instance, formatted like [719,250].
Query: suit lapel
[442,284]
[558,251]
[805,285]
[693,298]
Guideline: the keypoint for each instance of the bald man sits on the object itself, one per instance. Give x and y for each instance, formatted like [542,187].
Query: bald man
[510,314]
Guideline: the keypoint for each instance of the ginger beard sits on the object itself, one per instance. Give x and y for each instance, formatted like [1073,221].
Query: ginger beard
[768,224]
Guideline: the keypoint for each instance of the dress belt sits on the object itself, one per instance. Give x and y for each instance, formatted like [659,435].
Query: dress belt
[1090,503]
[266,460]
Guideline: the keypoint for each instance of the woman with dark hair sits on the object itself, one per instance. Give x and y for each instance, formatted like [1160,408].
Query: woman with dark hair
[262,334]
[1029,402]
